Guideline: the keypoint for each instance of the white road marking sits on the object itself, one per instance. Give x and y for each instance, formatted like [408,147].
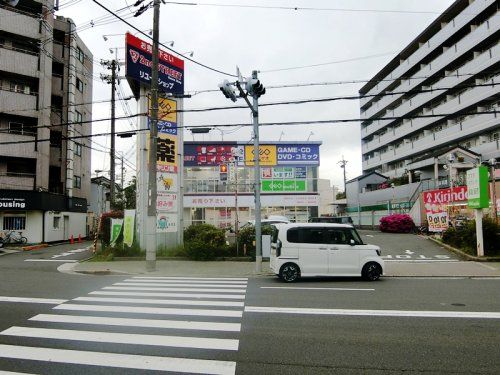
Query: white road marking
[198,366]
[369,235]
[191,278]
[14,373]
[151,310]
[409,252]
[181,285]
[160,289]
[32,300]
[178,295]
[304,288]
[51,260]
[188,282]
[485,278]
[163,301]
[147,323]
[394,313]
[123,338]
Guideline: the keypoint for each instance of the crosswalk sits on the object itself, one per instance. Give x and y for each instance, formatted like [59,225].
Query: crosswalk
[168,324]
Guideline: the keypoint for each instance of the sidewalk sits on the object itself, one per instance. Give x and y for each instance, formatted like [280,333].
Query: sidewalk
[247,269]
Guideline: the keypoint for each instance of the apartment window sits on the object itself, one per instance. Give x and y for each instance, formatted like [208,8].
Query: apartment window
[56,222]
[55,139]
[79,85]
[21,128]
[77,182]
[19,87]
[494,137]
[78,149]
[80,55]
[79,117]
[13,221]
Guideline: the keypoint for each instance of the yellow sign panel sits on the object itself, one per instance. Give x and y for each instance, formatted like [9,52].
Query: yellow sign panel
[166,153]
[167,109]
[267,155]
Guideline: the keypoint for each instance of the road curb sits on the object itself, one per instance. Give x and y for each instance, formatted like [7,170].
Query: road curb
[35,247]
[465,255]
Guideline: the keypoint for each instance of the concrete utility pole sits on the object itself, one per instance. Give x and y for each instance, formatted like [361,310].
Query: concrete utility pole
[153,134]
[258,228]
[113,65]
[342,164]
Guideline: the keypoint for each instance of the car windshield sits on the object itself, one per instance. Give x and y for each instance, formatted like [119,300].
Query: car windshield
[356,237]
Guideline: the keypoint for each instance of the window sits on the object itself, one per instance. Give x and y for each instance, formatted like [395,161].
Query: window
[55,138]
[80,55]
[14,222]
[56,222]
[78,116]
[16,86]
[78,149]
[77,182]
[21,128]
[79,85]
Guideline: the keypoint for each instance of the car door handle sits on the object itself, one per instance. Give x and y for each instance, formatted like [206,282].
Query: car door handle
[323,248]
[334,248]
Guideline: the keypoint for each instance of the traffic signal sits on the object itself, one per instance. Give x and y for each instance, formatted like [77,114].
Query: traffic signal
[223,172]
[255,88]
[228,90]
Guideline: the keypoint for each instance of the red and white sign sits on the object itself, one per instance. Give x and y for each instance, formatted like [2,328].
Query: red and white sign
[436,203]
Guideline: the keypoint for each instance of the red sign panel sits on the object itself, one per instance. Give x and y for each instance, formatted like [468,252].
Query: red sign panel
[445,196]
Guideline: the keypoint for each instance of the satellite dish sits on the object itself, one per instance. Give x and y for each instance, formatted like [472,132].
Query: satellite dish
[12,3]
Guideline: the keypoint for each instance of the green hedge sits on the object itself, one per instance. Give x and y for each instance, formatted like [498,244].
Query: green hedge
[246,237]
[464,238]
[204,242]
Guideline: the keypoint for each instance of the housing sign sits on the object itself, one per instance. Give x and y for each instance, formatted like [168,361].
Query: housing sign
[139,59]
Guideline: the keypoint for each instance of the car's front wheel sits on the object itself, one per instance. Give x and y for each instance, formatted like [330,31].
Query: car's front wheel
[371,271]
[289,272]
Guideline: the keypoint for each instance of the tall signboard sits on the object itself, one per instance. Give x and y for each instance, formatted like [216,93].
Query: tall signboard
[477,184]
[138,62]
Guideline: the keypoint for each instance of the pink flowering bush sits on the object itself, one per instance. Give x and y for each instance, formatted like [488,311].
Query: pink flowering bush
[397,223]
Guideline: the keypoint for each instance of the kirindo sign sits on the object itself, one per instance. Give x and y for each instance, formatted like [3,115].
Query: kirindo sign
[477,186]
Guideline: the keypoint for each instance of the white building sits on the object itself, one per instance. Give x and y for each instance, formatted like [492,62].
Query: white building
[440,92]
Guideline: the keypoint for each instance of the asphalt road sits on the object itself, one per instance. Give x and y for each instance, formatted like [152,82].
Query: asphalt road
[127,325]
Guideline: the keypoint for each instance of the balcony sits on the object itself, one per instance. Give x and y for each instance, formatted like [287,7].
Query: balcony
[19,62]
[26,150]
[435,42]
[17,181]
[17,103]
[465,129]
[19,24]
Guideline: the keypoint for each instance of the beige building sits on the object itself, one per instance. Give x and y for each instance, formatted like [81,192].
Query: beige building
[45,114]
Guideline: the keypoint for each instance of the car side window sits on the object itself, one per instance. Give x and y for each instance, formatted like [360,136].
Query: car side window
[311,235]
[337,237]
[292,235]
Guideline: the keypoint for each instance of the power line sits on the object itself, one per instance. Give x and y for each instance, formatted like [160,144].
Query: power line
[288,123]
[163,45]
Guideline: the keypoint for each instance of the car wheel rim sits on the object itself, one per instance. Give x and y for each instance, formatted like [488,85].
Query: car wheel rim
[373,272]
[290,273]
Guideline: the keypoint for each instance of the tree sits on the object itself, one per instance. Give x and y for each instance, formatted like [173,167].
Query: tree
[129,194]
[340,195]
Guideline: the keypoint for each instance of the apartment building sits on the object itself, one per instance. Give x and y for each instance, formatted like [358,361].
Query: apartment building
[439,93]
[45,113]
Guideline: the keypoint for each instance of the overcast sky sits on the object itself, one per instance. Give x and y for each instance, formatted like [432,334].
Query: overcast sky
[338,41]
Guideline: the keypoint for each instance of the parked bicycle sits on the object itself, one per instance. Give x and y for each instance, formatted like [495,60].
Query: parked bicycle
[12,237]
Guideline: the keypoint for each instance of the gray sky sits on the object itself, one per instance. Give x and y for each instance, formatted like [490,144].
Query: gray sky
[365,32]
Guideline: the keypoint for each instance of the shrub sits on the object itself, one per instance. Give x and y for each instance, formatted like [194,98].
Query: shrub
[246,237]
[397,223]
[204,242]
[464,237]
[106,217]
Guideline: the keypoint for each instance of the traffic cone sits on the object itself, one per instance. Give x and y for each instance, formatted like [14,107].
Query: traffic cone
[79,238]
[71,240]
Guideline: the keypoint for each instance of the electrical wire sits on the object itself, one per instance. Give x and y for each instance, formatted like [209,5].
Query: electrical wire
[288,123]
[163,45]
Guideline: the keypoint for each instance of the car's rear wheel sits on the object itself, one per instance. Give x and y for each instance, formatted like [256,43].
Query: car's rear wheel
[371,271]
[289,272]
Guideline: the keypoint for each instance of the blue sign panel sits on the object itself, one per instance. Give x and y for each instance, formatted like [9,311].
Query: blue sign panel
[139,61]
[297,154]
[165,127]
[300,172]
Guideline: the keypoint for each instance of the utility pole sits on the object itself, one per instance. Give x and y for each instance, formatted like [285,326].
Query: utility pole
[122,173]
[258,227]
[342,164]
[153,134]
[112,80]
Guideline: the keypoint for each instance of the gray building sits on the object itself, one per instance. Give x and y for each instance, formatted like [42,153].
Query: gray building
[45,114]
[441,91]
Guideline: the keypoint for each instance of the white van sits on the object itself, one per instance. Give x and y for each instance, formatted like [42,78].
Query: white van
[322,249]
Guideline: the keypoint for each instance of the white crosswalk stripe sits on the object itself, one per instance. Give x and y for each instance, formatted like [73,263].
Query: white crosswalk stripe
[133,315]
